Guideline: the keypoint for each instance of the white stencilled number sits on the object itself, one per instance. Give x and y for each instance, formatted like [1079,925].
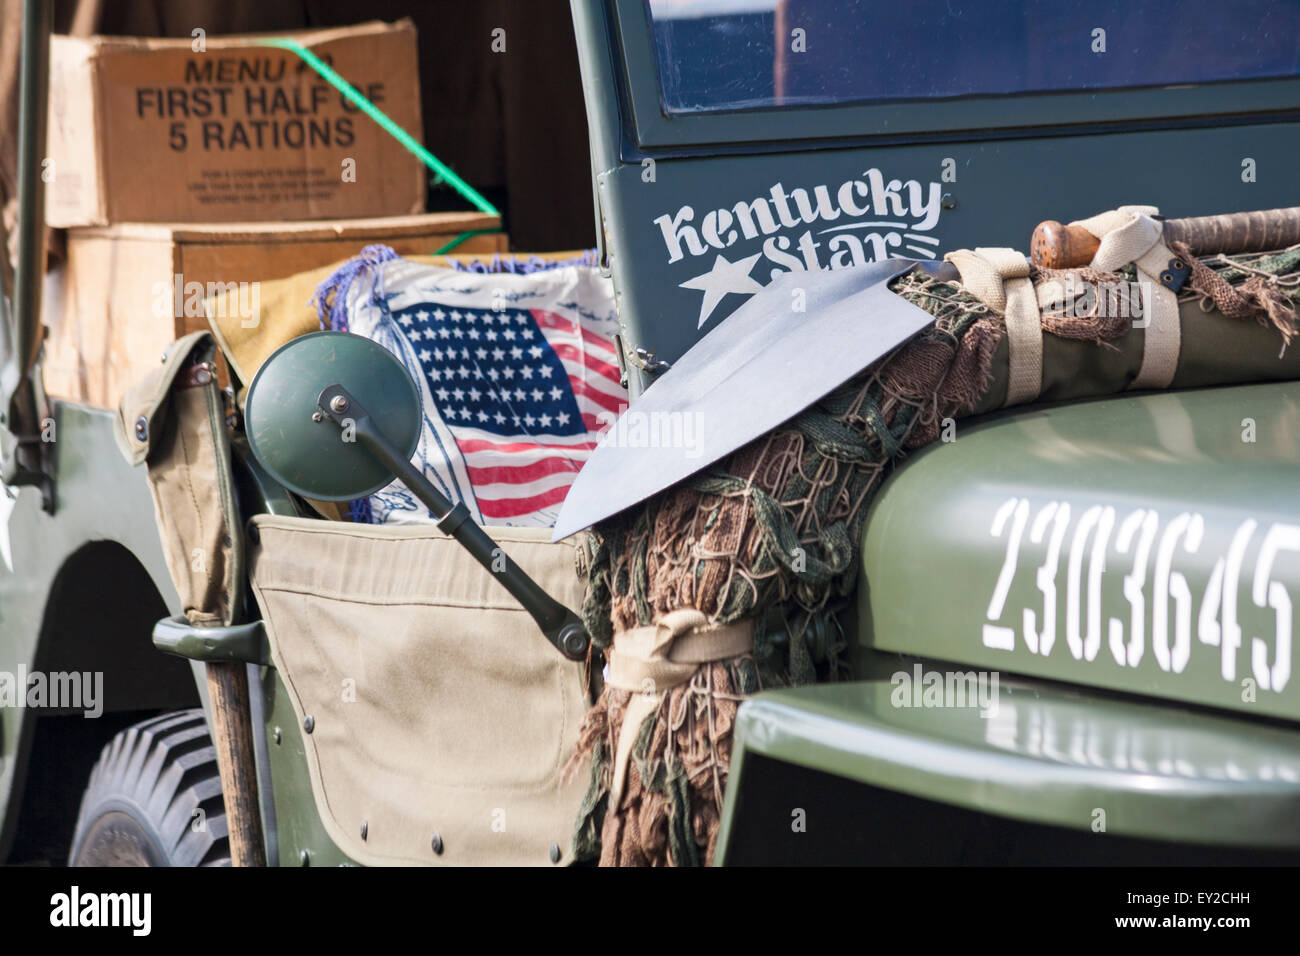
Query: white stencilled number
[1148,521]
[995,635]
[1171,583]
[1103,519]
[1268,593]
[1222,591]
[1042,643]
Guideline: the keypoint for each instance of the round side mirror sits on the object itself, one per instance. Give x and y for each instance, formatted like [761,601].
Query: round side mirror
[307,452]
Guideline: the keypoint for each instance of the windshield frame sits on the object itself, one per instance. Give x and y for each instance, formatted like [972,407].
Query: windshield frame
[980,115]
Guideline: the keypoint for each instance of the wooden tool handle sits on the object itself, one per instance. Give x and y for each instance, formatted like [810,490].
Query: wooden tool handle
[1057,246]
[232,736]
[1237,232]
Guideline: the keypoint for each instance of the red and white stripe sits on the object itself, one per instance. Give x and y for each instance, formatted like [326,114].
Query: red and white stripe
[519,475]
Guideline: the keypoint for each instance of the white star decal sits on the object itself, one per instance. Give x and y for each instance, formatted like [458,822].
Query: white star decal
[724,278]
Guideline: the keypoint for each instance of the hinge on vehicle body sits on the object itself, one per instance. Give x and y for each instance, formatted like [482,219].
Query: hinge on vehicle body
[645,360]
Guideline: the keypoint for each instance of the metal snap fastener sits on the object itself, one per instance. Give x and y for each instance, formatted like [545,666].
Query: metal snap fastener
[309,723]
[142,428]
[555,853]
[436,843]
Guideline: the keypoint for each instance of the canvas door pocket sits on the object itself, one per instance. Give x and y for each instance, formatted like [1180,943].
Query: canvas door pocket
[436,707]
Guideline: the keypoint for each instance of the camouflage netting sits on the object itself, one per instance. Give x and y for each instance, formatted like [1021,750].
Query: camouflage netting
[772,533]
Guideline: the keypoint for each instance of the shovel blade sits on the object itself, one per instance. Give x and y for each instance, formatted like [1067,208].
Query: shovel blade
[760,367]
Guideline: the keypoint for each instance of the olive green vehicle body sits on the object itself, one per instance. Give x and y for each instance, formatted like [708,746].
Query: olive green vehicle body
[1149,753]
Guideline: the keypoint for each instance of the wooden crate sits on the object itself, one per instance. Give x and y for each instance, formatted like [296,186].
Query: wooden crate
[114,310]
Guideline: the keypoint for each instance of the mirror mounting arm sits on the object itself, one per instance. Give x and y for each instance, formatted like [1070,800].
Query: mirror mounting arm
[561,626]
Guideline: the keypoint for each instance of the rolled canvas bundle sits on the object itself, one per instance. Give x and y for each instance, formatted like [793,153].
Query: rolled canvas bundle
[730,581]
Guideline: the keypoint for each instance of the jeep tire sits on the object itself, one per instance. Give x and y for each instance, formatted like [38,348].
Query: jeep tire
[154,799]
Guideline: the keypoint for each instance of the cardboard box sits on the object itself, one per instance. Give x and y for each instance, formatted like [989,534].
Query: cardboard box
[126,291]
[144,130]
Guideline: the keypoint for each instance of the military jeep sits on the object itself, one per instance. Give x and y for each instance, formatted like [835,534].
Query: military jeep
[1103,587]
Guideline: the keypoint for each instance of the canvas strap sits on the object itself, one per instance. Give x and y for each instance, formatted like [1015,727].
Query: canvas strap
[651,660]
[1000,279]
[1132,234]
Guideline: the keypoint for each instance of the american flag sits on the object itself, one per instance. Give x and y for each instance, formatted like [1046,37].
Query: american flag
[518,374]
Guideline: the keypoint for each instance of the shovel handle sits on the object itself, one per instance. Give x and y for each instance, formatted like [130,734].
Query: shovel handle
[232,737]
[1058,246]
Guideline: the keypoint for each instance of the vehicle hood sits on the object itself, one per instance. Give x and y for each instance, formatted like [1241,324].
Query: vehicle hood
[1144,543]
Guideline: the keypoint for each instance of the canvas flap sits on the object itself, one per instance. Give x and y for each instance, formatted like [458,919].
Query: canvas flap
[437,705]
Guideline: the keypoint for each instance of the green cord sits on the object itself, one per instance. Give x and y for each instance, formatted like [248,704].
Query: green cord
[402,136]
[461,238]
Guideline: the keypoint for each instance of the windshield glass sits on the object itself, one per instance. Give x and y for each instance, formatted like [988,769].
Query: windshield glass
[754,54]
